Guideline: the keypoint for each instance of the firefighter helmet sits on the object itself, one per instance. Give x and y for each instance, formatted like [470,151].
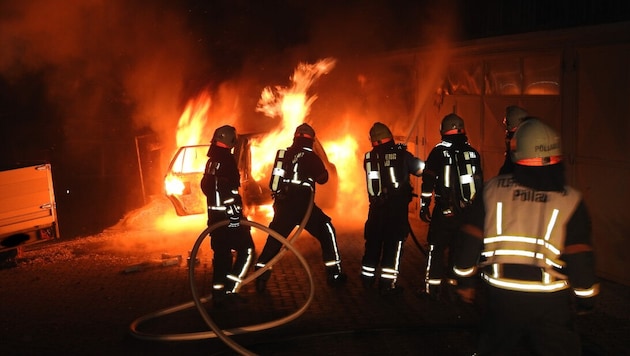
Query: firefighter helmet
[514,115]
[305,130]
[452,124]
[225,136]
[380,133]
[536,144]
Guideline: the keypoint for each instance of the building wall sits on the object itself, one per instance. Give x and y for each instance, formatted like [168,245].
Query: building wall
[574,79]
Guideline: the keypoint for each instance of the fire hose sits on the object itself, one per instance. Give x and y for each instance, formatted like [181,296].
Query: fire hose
[198,301]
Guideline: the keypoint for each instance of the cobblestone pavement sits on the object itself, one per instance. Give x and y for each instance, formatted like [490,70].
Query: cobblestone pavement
[81,297]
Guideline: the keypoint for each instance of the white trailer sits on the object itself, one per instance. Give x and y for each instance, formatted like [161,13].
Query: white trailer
[28,211]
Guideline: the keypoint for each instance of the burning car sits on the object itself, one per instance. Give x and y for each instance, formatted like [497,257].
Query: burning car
[182,180]
[290,104]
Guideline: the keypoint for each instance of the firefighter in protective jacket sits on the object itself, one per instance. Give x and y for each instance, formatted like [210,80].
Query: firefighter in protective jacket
[387,167]
[452,175]
[220,184]
[537,260]
[295,173]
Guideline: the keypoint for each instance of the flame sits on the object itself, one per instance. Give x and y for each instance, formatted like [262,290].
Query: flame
[291,105]
[343,153]
[193,120]
[190,128]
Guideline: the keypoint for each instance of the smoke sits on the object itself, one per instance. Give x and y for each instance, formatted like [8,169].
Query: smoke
[103,62]
[107,61]
[111,69]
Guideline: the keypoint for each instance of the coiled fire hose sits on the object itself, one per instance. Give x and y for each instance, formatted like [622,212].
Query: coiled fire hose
[198,301]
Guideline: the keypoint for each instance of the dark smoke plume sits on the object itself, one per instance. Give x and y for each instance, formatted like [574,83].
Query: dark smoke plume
[102,61]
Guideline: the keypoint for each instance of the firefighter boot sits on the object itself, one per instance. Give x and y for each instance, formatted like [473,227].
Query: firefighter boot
[388,287]
[335,276]
[433,293]
[368,282]
[218,297]
[261,281]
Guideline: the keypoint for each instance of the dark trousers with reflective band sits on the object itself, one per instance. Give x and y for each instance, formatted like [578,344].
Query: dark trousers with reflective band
[531,322]
[223,240]
[386,227]
[288,213]
[443,238]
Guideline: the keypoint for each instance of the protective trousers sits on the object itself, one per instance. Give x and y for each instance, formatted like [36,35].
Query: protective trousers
[528,323]
[386,229]
[227,269]
[288,214]
[443,237]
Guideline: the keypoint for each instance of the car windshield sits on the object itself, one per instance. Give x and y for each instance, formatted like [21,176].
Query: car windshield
[190,159]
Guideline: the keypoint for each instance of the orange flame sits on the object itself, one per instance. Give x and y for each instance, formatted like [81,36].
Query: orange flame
[292,105]
[193,120]
[344,154]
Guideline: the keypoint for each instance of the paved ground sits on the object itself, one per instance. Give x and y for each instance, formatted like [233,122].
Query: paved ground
[84,297]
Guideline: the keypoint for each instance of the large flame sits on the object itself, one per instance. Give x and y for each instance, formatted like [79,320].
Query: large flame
[189,128]
[193,120]
[290,106]
[344,153]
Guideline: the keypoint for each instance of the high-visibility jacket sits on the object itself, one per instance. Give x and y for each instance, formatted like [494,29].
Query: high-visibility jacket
[527,227]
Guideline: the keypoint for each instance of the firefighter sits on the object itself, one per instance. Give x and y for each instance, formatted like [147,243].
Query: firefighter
[220,184]
[452,175]
[296,172]
[537,260]
[387,167]
[514,115]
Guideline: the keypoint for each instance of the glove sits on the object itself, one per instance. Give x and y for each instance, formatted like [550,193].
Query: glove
[425,213]
[234,213]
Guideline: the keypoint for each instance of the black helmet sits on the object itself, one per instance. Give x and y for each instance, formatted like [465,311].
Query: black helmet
[225,136]
[514,115]
[452,124]
[380,133]
[305,130]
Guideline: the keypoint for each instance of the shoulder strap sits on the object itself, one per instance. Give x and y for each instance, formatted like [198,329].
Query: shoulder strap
[277,174]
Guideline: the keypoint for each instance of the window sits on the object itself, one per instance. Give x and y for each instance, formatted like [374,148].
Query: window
[541,75]
[464,78]
[504,77]
[538,75]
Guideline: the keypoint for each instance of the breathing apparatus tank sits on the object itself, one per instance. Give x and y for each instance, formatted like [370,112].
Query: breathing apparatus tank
[277,174]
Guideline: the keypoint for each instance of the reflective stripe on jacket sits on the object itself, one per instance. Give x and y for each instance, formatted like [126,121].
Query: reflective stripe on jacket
[526,227]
